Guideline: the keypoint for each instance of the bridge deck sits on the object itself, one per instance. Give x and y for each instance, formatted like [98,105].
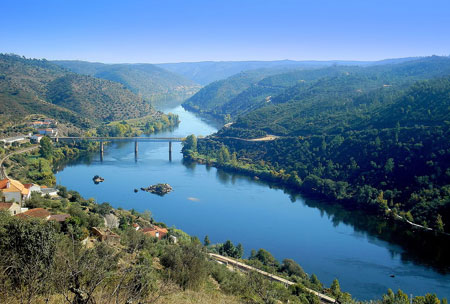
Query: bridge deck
[140,139]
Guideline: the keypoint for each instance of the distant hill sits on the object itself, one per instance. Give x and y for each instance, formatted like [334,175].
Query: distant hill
[207,72]
[30,86]
[153,83]
[238,95]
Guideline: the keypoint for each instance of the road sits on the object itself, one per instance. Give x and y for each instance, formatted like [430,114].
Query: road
[241,266]
[3,174]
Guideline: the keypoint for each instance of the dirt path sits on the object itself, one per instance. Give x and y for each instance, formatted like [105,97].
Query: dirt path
[2,169]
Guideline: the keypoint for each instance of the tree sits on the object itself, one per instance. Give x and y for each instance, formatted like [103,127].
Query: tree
[239,252]
[335,288]
[186,264]
[265,257]
[81,271]
[28,257]
[439,225]
[389,166]
[190,144]
[46,147]
[206,241]
[292,268]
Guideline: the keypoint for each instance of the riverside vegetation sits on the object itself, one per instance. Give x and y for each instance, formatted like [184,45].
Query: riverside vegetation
[46,262]
[373,138]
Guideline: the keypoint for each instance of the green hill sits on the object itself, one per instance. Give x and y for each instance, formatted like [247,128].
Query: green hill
[207,72]
[321,89]
[372,141]
[151,82]
[31,86]
[240,92]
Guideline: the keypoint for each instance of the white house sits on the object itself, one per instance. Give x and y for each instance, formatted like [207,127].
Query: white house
[14,191]
[36,138]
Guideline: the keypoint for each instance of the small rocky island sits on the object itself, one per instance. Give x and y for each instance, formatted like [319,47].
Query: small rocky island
[98,179]
[159,189]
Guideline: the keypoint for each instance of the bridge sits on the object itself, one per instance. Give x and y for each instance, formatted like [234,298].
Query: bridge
[247,268]
[103,139]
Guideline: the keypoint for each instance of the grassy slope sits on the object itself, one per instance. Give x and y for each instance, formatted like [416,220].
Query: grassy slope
[29,86]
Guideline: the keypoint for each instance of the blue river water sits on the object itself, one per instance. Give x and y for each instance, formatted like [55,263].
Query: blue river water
[207,201]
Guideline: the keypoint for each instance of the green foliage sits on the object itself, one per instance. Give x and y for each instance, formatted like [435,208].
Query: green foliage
[46,148]
[369,161]
[265,257]
[291,268]
[38,86]
[189,144]
[229,249]
[155,84]
[186,263]
[206,241]
[28,249]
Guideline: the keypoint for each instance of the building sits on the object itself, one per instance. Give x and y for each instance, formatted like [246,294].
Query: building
[36,138]
[33,188]
[35,213]
[59,217]
[52,192]
[14,191]
[155,231]
[11,140]
[48,131]
[106,235]
[13,208]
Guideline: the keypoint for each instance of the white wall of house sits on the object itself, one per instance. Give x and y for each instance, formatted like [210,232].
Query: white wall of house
[15,209]
[13,196]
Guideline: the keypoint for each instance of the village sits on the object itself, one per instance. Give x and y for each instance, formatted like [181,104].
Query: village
[15,196]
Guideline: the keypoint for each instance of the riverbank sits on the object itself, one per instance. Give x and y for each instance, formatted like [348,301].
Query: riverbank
[395,229]
[245,210]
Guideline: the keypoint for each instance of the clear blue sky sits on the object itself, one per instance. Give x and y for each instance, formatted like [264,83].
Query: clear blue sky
[190,30]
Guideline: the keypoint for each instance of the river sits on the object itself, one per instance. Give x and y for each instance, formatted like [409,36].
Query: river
[322,238]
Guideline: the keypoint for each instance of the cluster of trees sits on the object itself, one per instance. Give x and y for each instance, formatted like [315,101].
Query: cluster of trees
[44,262]
[38,166]
[226,249]
[135,127]
[386,152]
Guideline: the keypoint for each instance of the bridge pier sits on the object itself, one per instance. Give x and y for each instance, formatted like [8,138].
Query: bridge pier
[170,151]
[101,151]
[136,147]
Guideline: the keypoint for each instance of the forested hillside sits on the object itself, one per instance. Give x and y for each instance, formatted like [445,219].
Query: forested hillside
[209,71]
[312,89]
[240,92]
[30,86]
[151,82]
[369,141]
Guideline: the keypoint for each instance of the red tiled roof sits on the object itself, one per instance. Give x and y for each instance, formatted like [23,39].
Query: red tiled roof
[36,212]
[152,231]
[5,206]
[58,217]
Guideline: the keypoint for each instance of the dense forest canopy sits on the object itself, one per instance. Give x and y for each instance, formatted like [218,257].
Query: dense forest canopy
[153,83]
[373,138]
[309,90]
[206,72]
